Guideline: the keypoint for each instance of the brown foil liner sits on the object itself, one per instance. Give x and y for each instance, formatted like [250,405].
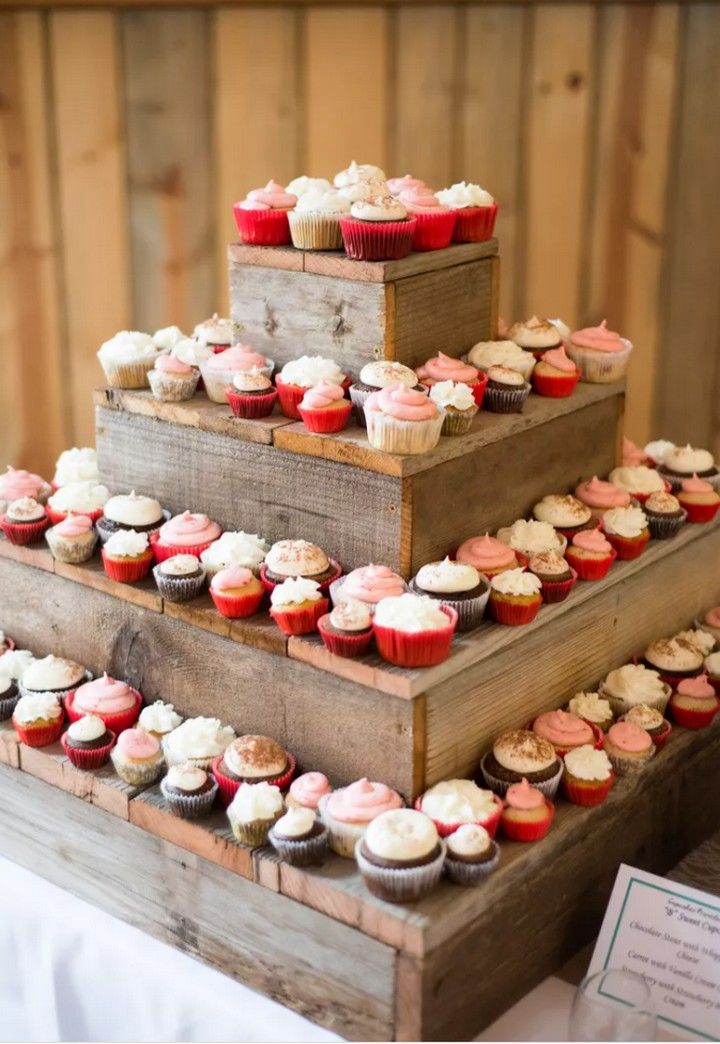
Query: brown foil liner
[505,400]
[189,806]
[178,588]
[309,852]
[471,874]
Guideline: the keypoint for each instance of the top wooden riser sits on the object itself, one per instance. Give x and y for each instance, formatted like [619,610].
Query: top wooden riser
[289,302]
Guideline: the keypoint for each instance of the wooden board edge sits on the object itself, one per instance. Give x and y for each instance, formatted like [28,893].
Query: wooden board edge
[408,998]
[51,765]
[142,596]
[36,557]
[371,676]
[9,752]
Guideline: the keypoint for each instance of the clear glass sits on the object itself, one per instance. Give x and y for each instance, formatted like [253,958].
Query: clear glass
[613,1005]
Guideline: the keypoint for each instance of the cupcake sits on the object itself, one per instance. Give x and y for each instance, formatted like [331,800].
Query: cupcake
[519,755]
[627,530]
[592,707]
[198,740]
[710,622]
[16,484]
[634,684]
[253,811]
[488,555]
[53,674]
[78,498]
[14,662]
[485,354]
[235,548]
[471,855]
[555,375]
[537,336]
[402,420]
[252,759]
[126,556]
[300,374]
[674,658]
[346,812]
[458,405]
[456,801]
[365,175]
[193,352]
[185,534]
[167,337]
[650,719]
[9,695]
[219,370]
[24,521]
[236,592]
[458,585]
[655,450]
[699,499]
[515,597]
[347,630]
[78,464]
[601,496]
[442,368]
[682,462]
[414,630]
[506,391]
[376,375]
[711,667]
[262,217]
[137,758]
[555,575]
[588,776]
[324,408]
[702,640]
[172,380]
[664,515]
[565,513]
[566,731]
[628,747]
[127,358]
[694,703]
[590,554]
[527,814]
[400,856]
[88,742]
[298,558]
[302,185]
[434,222]
[396,186]
[307,790]
[378,229]
[189,791]
[315,221]
[475,211]
[297,604]
[601,355]
[215,333]
[130,511]
[179,578]
[38,719]
[369,585]
[638,481]
[159,718]
[251,394]
[299,837]
[73,540]
[114,702]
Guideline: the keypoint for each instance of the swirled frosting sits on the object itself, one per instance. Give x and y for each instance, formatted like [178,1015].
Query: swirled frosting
[255,801]
[486,553]
[159,717]
[361,801]
[516,582]
[458,801]
[307,789]
[635,683]
[126,543]
[657,449]
[329,201]
[215,330]
[600,339]
[712,665]
[78,464]
[133,510]
[629,738]
[235,548]
[628,522]
[296,558]
[303,184]
[402,834]
[524,797]
[378,208]
[322,396]
[397,186]
[447,577]
[80,497]
[537,333]
[586,763]
[590,706]
[558,359]
[272,197]
[231,578]
[87,729]
[383,372]
[37,706]
[358,172]
[137,745]
[295,590]
[524,752]
[401,403]
[562,510]
[502,353]
[445,368]
[167,337]
[531,536]
[371,583]
[171,365]
[128,346]
[464,194]
[563,729]
[687,460]
[189,530]
[421,201]
[237,359]
[50,673]
[309,370]
[104,696]
[449,395]
[15,662]
[592,540]
[699,688]
[696,485]
[351,615]
[598,494]
[192,351]
[411,613]
[637,479]
[199,738]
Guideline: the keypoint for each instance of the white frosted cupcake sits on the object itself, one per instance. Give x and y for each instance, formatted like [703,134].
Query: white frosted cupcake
[235,548]
[299,837]
[188,790]
[457,402]
[458,585]
[400,856]
[485,354]
[127,358]
[471,855]
[179,578]
[197,740]
[632,685]
[78,464]
[315,221]
[159,718]
[252,812]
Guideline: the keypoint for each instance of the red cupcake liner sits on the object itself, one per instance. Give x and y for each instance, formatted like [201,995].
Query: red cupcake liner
[490,822]
[262,227]
[290,396]
[597,733]
[346,645]
[237,607]
[324,422]
[377,240]
[590,569]
[116,723]
[524,831]
[228,788]
[60,516]
[558,590]
[692,719]
[700,512]
[417,649]
[554,387]
[300,621]
[642,497]
[127,570]
[511,614]
[433,231]
[163,551]
[88,760]
[270,585]
[21,534]
[478,389]
[39,737]
[588,796]
[250,407]
[474,224]
[627,549]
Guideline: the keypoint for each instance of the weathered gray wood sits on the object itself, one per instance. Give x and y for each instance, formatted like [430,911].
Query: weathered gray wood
[321,968]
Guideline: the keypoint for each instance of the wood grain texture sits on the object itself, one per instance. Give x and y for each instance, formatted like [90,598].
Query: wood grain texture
[166,81]
[84,48]
[250,933]
[9,753]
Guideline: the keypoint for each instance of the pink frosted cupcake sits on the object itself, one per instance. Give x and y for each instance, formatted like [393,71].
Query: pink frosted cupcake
[172,380]
[601,354]
[566,731]
[368,584]
[15,484]
[632,456]
[186,534]
[73,540]
[137,758]
[601,496]
[307,790]
[444,368]
[695,703]
[590,554]
[555,376]
[629,748]
[262,217]
[402,420]
[489,555]
[324,408]
[475,211]
[114,701]
[396,186]
[219,369]
[434,221]
[347,812]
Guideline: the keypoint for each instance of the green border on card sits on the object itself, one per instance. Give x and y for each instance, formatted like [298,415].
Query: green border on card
[667,891]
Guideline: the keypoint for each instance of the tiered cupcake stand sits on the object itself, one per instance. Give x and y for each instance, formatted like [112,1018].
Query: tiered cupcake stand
[316,939]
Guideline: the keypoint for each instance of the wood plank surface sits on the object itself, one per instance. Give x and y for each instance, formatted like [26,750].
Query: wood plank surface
[166,81]
[9,753]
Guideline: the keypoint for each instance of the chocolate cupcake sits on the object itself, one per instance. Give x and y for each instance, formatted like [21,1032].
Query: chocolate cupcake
[682,462]
[522,755]
[254,759]
[376,375]
[188,790]
[180,578]
[554,573]
[294,558]
[471,855]
[88,742]
[299,837]
[674,659]
[664,514]
[458,585]
[565,513]
[400,856]
[347,630]
[506,391]
[53,674]
[9,696]
[648,718]
[130,511]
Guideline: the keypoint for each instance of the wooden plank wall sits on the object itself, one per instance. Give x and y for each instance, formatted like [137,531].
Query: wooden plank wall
[126,133]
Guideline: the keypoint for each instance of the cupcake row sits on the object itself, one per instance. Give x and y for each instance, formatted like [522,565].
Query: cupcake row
[369,216]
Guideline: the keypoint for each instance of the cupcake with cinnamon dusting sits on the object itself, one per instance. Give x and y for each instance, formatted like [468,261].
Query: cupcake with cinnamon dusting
[518,755]
[664,514]
[565,513]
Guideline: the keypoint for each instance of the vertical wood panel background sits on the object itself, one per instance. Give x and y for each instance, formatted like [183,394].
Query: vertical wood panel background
[126,134]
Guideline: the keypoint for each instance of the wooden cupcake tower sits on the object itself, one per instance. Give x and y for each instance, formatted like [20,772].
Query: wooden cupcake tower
[316,939]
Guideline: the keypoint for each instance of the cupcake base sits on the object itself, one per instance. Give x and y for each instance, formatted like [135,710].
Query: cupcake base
[308,852]
[418,648]
[88,760]
[189,806]
[138,774]
[377,240]
[400,884]
[470,875]
[548,787]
